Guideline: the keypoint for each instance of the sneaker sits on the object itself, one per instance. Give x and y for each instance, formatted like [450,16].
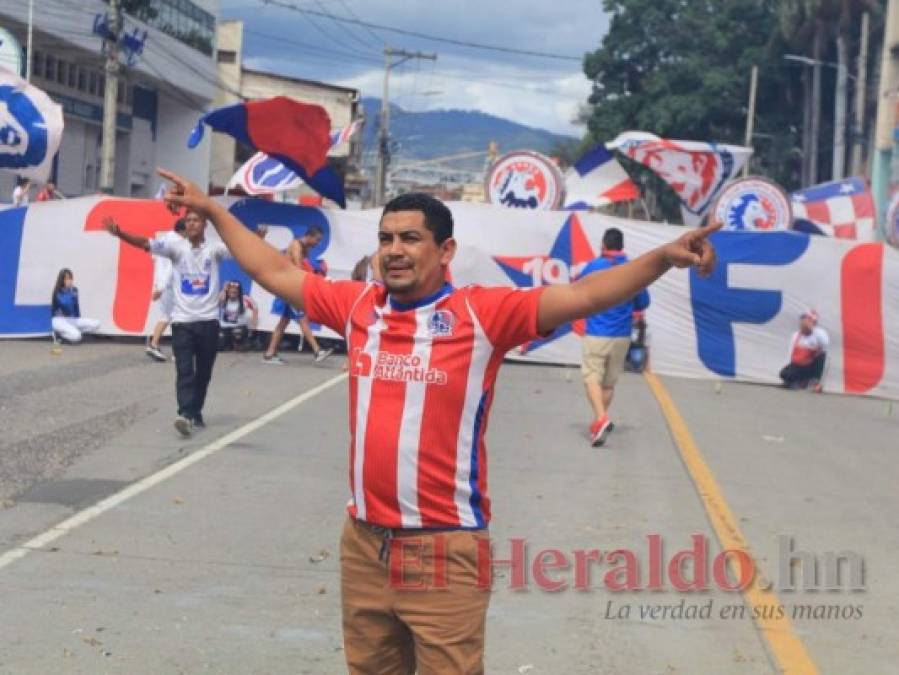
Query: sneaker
[198,422]
[274,360]
[155,353]
[183,426]
[611,427]
[599,430]
[322,354]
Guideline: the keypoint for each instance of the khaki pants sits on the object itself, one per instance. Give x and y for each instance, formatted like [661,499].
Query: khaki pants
[418,605]
[603,359]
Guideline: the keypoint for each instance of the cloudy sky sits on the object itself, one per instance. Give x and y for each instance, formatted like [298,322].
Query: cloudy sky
[537,91]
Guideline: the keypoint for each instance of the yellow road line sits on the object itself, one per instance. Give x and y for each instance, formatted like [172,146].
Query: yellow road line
[785,647]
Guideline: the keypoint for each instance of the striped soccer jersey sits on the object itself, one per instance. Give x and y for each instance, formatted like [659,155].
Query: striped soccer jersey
[421,385]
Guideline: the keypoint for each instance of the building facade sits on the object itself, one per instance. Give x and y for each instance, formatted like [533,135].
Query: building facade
[162,91]
[341,104]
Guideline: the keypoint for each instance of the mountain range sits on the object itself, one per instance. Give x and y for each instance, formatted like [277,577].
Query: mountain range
[439,133]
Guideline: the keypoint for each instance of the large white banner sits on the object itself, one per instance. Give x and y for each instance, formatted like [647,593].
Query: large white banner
[737,324]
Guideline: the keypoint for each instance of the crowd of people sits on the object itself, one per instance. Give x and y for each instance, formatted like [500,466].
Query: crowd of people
[21,194]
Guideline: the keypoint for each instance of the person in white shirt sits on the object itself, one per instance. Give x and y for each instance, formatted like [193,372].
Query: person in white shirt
[163,298]
[195,312]
[20,192]
[808,354]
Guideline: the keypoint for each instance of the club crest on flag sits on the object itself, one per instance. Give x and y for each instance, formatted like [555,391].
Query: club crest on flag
[30,127]
[695,170]
[752,204]
[524,180]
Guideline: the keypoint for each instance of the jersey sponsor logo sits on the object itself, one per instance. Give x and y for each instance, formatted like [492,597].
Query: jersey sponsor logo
[195,284]
[395,368]
[442,323]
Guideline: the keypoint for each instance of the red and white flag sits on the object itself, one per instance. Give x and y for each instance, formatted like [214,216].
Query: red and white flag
[695,170]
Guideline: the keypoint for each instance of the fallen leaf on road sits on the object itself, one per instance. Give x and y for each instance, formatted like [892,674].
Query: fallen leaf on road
[322,555]
[322,590]
[92,641]
[525,668]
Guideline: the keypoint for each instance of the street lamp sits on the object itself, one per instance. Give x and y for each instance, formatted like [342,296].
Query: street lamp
[839,117]
[808,61]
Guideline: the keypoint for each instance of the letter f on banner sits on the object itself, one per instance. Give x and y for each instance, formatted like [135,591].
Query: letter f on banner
[717,306]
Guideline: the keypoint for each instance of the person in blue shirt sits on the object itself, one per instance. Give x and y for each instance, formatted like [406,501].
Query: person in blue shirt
[607,337]
[67,321]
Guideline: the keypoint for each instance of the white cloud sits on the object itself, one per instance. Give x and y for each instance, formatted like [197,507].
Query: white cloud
[543,93]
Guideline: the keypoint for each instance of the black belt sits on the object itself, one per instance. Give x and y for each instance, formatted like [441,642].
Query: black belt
[388,533]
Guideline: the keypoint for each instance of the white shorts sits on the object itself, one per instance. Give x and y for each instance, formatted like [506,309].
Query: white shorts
[165,304]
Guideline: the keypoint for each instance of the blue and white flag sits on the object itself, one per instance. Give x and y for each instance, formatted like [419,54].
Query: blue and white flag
[597,179]
[30,128]
[264,175]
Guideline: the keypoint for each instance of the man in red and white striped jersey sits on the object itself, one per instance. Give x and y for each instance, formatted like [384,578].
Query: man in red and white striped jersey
[423,362]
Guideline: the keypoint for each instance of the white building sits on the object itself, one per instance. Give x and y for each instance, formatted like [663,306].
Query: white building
[161,95]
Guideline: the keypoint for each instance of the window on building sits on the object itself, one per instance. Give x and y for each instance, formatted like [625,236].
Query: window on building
[93,85]
[62,71]
[82,79]
[72,81]
[37,64]
[227,56]
[50,69]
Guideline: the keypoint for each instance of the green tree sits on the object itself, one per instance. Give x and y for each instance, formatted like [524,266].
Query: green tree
[681,69]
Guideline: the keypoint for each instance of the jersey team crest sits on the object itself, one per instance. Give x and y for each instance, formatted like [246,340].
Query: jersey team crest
[753,204]
[525,180]
[441,323]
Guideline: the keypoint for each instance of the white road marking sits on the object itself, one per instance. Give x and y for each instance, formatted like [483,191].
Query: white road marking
[88,514]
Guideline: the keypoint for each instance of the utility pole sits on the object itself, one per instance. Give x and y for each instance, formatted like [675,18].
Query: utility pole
[750,113]
[858,136]
[816,106]
[28,49]
[384,132]
[838,167]
[881,173]
[110,102]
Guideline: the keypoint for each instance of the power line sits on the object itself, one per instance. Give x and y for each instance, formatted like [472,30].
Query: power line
[350,56]
[379,41]
[424,36]
[366,44]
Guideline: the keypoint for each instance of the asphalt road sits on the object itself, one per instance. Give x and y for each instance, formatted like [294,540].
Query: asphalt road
[221,557]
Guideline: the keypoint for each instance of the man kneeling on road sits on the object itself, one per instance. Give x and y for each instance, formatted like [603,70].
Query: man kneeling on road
[424,358]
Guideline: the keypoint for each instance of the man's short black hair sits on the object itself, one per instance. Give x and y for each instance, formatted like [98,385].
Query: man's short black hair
[180,225]
[613,239]
[314,231]
[438,218]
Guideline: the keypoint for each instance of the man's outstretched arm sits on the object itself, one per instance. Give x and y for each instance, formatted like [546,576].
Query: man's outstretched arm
[599,291]
[134,239]
[261,261]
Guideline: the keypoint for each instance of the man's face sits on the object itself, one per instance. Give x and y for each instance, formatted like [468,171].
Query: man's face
[806,324]
[194,225]
[413,264]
